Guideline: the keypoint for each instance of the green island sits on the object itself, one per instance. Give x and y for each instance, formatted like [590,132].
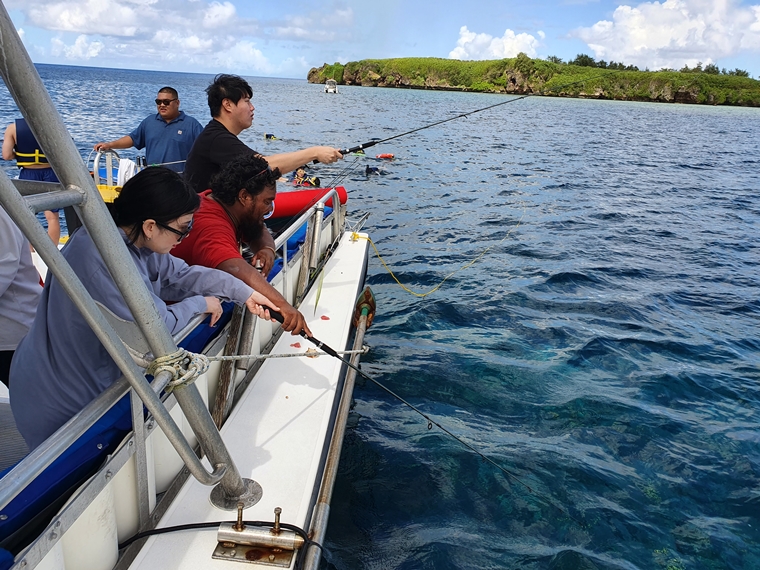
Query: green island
[521,75]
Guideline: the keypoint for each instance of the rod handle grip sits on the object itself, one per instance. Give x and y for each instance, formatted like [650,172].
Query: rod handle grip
[277,316]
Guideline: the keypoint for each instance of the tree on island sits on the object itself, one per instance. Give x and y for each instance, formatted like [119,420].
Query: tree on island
[712,69]
[584,60]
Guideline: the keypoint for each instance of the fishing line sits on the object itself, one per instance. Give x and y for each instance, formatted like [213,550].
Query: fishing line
[361,147]
[446,278]
[431,422]
[342,174]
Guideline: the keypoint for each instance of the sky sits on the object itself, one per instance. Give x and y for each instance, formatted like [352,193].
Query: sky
[288,37]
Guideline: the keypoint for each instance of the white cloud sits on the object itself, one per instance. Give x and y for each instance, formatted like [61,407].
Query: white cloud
[106,17]
[21,33]
[242,54]
[188,34]
[176,44]
[484,46]
[674,33]
[79,50]
[317,26]
[219,15]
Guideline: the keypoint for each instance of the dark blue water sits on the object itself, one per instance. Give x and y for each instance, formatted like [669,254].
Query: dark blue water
[603,348]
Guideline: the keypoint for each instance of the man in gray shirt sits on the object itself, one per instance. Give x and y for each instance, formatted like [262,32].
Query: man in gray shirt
[19,290]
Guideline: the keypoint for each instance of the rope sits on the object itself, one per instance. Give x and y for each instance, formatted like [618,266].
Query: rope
[470,263]
[185,367]
[310,353]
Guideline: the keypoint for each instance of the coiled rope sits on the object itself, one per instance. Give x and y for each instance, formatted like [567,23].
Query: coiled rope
[184,366]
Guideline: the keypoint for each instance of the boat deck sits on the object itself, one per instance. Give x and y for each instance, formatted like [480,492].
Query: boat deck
[12,446]
[279,429]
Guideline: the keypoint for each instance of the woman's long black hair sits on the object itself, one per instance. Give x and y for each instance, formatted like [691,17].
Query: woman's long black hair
[155,193]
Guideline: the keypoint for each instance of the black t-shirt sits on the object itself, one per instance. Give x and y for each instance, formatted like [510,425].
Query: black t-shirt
[213,148]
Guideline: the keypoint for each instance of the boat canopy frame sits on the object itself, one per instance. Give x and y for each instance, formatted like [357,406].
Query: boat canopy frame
[77,188]
[36,105]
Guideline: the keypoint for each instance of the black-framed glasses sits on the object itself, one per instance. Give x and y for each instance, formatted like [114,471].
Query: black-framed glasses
[180,235]
[164,102]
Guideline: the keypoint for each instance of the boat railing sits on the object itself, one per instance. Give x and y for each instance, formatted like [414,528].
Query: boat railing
[31,466]
[78,189]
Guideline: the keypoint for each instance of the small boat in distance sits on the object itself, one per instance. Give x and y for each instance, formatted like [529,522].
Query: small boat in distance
[331,86]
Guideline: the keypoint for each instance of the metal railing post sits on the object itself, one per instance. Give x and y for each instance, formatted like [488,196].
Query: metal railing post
[37,107]
[321,513]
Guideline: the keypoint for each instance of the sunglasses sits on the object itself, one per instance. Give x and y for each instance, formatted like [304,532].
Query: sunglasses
[164,102]
[181,235]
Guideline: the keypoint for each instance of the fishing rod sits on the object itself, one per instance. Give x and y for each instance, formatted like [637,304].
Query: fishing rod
[364,303]
[374,142]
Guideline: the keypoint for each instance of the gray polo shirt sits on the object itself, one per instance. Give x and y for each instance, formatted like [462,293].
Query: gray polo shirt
[20,288]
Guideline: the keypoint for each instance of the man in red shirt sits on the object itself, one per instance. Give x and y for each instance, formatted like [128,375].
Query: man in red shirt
[231,214]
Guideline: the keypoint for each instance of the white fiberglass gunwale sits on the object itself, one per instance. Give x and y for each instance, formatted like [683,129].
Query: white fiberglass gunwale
[279,430]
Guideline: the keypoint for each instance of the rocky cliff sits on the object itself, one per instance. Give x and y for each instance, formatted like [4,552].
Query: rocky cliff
[522,75]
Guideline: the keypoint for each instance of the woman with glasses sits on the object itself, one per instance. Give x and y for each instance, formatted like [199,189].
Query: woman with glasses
[60,366]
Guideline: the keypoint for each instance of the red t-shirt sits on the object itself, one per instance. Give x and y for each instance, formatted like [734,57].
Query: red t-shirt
[213,238]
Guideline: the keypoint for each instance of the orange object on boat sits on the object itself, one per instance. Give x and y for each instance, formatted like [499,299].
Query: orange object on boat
[288,204]
[387,156]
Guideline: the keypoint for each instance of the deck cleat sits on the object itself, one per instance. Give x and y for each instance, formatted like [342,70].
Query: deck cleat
[270,546]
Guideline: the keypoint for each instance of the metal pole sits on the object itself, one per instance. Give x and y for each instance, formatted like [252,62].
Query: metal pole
[318,526]
[246,339]
[57,264]
[34,101]
[317,236]
[52,200]
[226,385]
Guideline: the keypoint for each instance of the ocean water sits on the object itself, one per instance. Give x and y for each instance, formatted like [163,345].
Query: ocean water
[586,315]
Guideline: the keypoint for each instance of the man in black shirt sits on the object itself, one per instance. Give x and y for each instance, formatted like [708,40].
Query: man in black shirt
[229,100]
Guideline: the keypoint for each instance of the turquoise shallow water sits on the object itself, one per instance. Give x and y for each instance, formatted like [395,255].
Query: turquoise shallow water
[604,349]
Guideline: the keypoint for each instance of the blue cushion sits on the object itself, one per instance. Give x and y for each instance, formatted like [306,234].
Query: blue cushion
[65,473]
[204,333]
[6,559]
[81,460]
[294,243]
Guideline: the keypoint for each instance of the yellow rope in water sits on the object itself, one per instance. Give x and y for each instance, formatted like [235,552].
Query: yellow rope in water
[470,263]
